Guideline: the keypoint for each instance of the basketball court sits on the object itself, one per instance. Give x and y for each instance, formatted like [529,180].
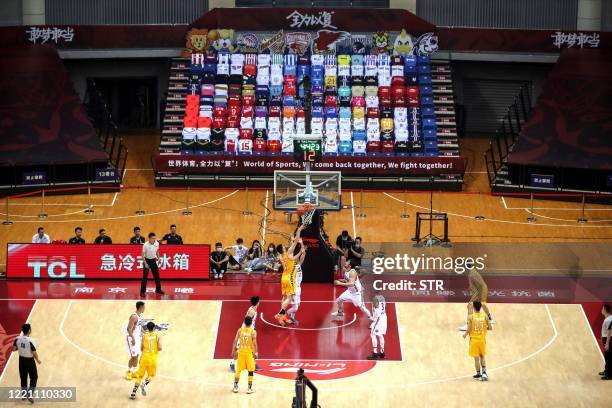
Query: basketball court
[449,150]
[534,347]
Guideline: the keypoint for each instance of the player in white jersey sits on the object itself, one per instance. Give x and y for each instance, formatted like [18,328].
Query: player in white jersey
[252,313]
[378,328]
[298,283]
[353,293]
[133,338]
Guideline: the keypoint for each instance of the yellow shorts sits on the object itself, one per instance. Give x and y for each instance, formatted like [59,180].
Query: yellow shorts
[288,285]
[478,348]
[246,361]
[148,366]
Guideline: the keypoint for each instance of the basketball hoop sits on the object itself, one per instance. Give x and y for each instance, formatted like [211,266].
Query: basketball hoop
[306,212]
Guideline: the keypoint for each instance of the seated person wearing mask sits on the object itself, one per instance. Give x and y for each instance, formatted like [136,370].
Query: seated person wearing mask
[218,261]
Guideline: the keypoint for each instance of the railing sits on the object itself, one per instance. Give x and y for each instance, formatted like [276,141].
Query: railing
[507,133]
[105,126]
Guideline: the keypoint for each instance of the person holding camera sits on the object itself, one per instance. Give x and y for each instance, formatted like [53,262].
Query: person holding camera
[343,243]
[356,251]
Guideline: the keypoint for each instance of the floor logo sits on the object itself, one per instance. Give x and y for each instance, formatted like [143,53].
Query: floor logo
[314,369]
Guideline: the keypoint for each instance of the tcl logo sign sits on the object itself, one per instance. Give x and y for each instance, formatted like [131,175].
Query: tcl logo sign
[54,267]
[315,370]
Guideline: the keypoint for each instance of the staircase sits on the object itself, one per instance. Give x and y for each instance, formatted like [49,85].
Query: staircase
[172,125]
[444,101]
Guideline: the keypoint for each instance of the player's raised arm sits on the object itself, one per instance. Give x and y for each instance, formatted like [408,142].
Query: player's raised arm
[159,343]
[295,240]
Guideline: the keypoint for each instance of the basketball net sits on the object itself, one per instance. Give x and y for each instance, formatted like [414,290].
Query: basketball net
[307,217]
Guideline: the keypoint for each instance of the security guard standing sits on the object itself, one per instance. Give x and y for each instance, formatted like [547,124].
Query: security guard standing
[28,357]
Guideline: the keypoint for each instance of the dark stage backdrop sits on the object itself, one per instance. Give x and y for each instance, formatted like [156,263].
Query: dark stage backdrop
[571,123]
[42,119]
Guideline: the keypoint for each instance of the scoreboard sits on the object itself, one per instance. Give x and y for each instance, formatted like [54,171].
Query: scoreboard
[307,149]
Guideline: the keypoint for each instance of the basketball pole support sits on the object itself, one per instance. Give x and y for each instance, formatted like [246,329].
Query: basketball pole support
[7,221]
[246,211]
[361,213]
[582,219]
[42,214]
[405,214]
[531,219]
[187,212]
[480,217]
[140,210]
[89,209]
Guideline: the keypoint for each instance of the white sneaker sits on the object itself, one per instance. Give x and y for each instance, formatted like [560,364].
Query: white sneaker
[235,389]
[216,276]
[463,328]
[248,270]
[250,390]
[484,377]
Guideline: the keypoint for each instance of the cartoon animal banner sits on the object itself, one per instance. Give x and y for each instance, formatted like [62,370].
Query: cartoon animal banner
[324,41]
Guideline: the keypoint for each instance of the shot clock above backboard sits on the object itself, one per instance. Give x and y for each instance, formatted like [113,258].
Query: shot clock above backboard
[307,149]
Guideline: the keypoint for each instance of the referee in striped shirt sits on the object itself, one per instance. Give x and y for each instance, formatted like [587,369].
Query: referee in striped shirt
[28,357]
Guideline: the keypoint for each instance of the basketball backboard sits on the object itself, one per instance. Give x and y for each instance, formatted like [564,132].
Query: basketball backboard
[291,189]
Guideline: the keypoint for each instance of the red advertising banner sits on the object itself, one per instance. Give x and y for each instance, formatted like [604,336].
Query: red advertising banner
[348,165]
[62,261]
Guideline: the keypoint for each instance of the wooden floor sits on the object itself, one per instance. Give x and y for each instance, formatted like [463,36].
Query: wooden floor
[539,355]
[217,214]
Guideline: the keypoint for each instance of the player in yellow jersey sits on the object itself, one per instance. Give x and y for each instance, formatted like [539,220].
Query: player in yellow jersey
[245,352]
[479,290]
[151,346]
[288,278]
[478,325]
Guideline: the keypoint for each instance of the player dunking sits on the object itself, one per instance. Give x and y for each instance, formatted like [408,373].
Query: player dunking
[151,346]
[297,298]
[287,259]
[133,338]
[479,291]
[352,293]
[245,352]
[378,328]
[478,323]
[252,313]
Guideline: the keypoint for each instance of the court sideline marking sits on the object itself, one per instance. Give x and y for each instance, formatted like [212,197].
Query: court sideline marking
[586,319]
[359,389]
[122,217]
[353,215]
[496,220]
[261,315]
[265,222]
[503,201]
[112,203]
[13,353]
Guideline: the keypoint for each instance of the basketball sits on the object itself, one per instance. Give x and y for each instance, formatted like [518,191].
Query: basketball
[304,208]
